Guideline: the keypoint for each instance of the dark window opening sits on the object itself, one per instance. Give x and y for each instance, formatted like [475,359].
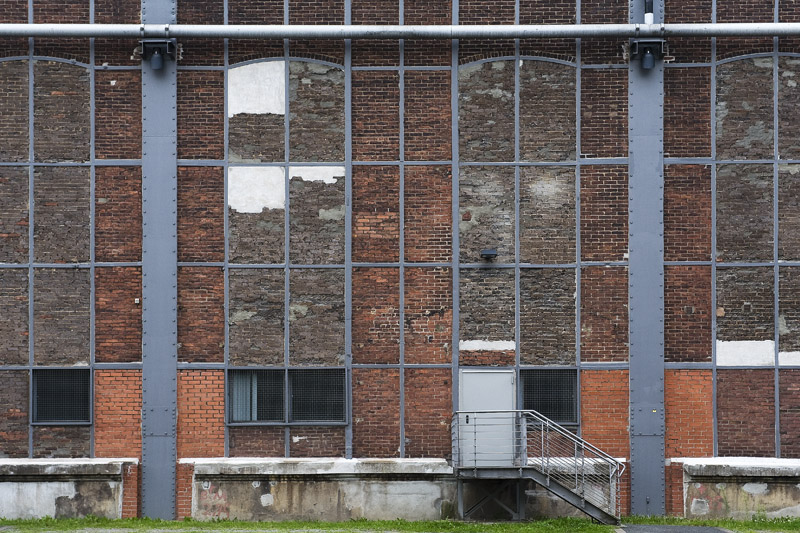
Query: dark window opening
[551,392]
[61,395]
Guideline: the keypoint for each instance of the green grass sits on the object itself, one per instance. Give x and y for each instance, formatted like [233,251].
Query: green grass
[757,523]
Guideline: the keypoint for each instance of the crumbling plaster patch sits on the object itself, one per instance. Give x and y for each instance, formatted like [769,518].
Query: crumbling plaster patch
[257,88]
[253,189]
[745,353]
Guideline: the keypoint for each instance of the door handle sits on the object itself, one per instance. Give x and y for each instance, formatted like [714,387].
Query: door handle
[467,421]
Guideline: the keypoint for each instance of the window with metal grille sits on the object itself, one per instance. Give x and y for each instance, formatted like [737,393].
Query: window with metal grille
[551,392]
[315,395]
[61,396]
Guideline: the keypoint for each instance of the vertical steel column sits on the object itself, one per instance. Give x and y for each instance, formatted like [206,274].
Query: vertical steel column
[159,275]
[646,278]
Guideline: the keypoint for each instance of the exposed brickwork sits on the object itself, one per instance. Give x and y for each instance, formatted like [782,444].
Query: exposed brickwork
[255,136]
[486,358]
[547,316]
[118,316]
[427,116]
[256,237]
[601,51]
[201,105]
[788,214]
[728,47]
[744,213]
[13,214]
[486,111]
[604,410]
[604,314]
[604,113]
[428,410]
[604,213]
[687,112]
[376,218]
[376,412]
[314,12]
[790,413]
[376,315]
[14,103]
[745,304]
[14,414]
[60,112]
[316,317]
[688,413]
[687,313]
[546,111]
[255,316]
[487,304]
[376,116]
[61,214]
[789,312]
[118,415]
[118,213]
[201,413]
[116,51]
[486,213]
[118,114]
[427,52]
[470,51]
[131,487]
[61,316]
[61,441]
[248,12]
[201,314]
[673,474]
[547,215]
[428,315]
[382,52]
[316,219]
[201,213]
[317,441]
[428,213]
[67,11]
[745,413]
[256,441]
[744,109]
[687,212]
[14,310]
[752,11]
[479,12]
[548,12]
[689,50]
[316,103]
[202,51]
[184,474]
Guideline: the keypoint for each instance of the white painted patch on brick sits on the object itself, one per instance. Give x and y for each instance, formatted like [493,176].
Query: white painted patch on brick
[789,358]
[745,353]
[257,88]
[253,189]
[113,82]
[488,346]
[298,439]
[324,174]
[755,488]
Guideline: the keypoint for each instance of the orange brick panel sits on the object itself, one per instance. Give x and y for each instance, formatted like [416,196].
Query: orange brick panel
[130,491]
[604,410]
[184,475]
[118,414]
[376,214]
[688,413]
[428,315]
[201,413]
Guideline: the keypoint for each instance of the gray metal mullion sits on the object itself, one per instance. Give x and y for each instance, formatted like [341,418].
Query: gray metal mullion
[226,238]
[517,294]
[578,59]
[117,366]
[286,236]
[454,218]
[31,224]
[92,287]
[713,114]
[401,238]
[686,365]
[775,222]
[600,365]
[118,163]
[397,365]
[348,239]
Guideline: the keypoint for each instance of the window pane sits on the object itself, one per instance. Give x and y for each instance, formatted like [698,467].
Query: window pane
[270,395]
[552,393]
[61,395]
[317,395]
[256,395]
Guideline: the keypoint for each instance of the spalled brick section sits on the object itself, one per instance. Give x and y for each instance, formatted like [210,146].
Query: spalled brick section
[428,315]
[602,51]
[256,237]
[61,441]
[183,490]
[547,316]
[66,11]
[547,214]
[118,414]
[427,116]
[428,213]
[116,51]
[315,12]
[376,116]
[689,50]
[201,214]
[486,213]
[248,12]
[687,313]
[687,112]
[380,52]
[61,214]
[13,214]
[788,100]
[316,218]
[14,310]
[427,52]
[689,416]
[376,315]
[255,441]
[487,358]
[548,12]
[744,213]
[317,441]
[255,316]
[61,316]
[201,314]
[202,51]
[687,212]
[14,414]
[486,111]
[604,213]
[604,314]
[745,413]
[316,121]
[376,412]
[316,317]
[604,410]
[744,109]
[789,386]
[789,309]
[130,491]
[118,316]
[429,406]
[487,304]
[118,213]
[745,304]
[201,117]
[14,103]
[546,111]
[255,136]
[201,413]
[60,112]
[737,46]
[604,113]
[376,217]
[118,115]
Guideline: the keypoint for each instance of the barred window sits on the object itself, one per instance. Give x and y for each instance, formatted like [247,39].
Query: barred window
[551,392]
[61,395]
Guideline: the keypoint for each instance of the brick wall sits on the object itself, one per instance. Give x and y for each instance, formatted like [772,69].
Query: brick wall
[746,413]
[428,394]
[376,226]
[604,213]
[789,386]
[428,322]
[376,315]
[118,314]
[61,316]
[201,413]
[61,441]
[604,410]
[428,214]
[687,212]
[688,413]
[376,116]
[118,214]
[255,441]
[118,416]
[118,115]
[604,314]
[14,101]
[604,113]
[687,313]
[376,412]
[14,414]
[687,112]
[547,316]
[427,116]
[201,114]
[201,213]
[14,328]
[201,314]
[316,441]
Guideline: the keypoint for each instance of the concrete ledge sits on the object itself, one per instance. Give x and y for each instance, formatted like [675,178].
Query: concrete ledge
[741,467]
[278,466]
[63,467]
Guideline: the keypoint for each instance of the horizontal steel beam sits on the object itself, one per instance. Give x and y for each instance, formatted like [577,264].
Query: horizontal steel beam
[548,31]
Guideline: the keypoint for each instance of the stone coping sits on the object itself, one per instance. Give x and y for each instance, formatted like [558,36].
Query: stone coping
[740,466]
[64,467]
[317,466]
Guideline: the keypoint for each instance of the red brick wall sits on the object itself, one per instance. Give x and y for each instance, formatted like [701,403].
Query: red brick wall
[201,314]
[376,315]
[376,412]
[131,488]
[118,314]
[316,441]
[687,112]
[673,497]
[746,413]
[201,413]
[118,114]
[376,116]
[428,315]
[790,413]
[427,116]
[256,441]
[118,413]
[687,313]
[604,314]
[687,212]
[429,406]
[604,113]
[604,213]
[376,217]
[118,213]
[201,105]
[428,214]
[184,473]
[201,212]
[688,413]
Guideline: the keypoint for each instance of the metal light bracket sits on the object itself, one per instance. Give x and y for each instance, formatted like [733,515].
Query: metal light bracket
[640,48]
[165,48]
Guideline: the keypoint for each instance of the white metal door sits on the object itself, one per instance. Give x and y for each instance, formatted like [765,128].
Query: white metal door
[486,439]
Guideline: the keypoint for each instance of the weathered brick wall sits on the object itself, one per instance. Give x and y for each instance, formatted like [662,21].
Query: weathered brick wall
[428,394]
[746,413]
[118,414]
[61,441]
[14,102]
[201,210]
[376,217]
[61,214]
[744,109]
[316,218]
[486,111]
[14,414]
[604,112]
[547,215]
[375,115]
[745,304]
[118,314]
[744,213]
[687,112]
[379,52]
[201,114]
[789,309]
[547,317]
[687,313]
[604,314]
[427,116]
[256,316]
[688,413]
[788,214]
[14,327]
[687,212]
[316,317]
[376,412]
[118,115]
[316,441]
[256,441]
[428,325]
[14,221]
[604,213]
[376,315]
[546,111]
[60,112]
[486,213]
[61,303]
[201,413]
[487,304]
[118,213]
[789,387]
[316,104]
[201,314]
[428,216]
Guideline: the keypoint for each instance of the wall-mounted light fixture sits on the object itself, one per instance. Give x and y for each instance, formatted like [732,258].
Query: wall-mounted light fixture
[156,50]
[647,50]
[489,254]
